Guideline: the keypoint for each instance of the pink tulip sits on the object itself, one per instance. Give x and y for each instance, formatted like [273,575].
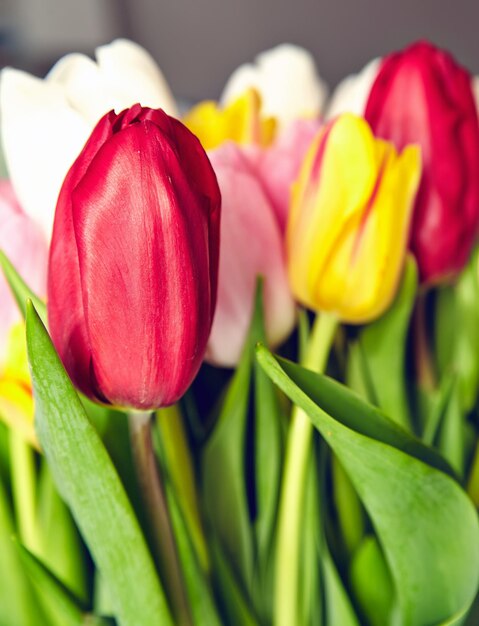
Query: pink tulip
[251,245]
[25,246]
[278,166]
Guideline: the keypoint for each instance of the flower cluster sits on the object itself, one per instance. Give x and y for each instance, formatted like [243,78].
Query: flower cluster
[157,247]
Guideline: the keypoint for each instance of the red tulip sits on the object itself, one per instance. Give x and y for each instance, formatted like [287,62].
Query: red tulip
[421,95]
[134,260]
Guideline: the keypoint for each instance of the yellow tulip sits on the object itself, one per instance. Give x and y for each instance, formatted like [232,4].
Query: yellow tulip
[16,399]
[349,221]
[240,121]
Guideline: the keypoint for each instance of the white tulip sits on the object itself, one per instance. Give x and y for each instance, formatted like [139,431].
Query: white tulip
[351,95]
[45,123]
[287,81]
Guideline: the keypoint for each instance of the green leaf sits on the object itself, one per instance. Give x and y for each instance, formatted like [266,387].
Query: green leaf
[338,605]
[201,602]
[383,345]
[350,514]
[4,455]
[224,475]
[224,468]
[452,433]
[18,605]
[60,605]
[61,547]
[89,483]
[310,603]
[371,582]
[269,422]
[457,332]
[426,524]
[353,411]
[231,593]
[21,291]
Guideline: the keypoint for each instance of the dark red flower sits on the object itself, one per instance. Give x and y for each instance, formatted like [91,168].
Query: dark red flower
[134,260]
[421,95]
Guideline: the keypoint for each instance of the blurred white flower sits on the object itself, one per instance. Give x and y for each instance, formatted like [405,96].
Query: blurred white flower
[45,123]
[351,95]
[287,80]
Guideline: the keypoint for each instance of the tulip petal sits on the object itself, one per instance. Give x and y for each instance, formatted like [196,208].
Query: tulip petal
[278,166]
[287,81]
[84,87]
[352,93]
[69,332]
[42,136]
[251,245]
[131,76]
[135,205]
[25,246]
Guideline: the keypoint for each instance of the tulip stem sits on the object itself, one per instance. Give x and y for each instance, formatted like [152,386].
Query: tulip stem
[24,490]
[159,528]
[425,373]
[298,451]
[179,462]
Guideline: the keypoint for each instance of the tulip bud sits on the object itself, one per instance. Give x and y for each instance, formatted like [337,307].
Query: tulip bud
[251,246]
[422,95]
[349,222]
[134,260]
[241,121]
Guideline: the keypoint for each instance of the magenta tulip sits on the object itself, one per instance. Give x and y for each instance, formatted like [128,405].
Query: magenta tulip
[251,246]
[134,260]
[25,246]
[421,95]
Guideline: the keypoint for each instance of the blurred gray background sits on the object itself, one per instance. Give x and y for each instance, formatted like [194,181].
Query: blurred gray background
[198,43]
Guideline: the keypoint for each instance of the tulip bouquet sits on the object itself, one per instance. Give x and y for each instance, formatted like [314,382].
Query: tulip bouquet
[239,347]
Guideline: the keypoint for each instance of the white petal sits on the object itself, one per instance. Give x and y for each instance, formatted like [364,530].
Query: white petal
[351,95]
[42,136]
[132,76]
[83,86]
[287,80]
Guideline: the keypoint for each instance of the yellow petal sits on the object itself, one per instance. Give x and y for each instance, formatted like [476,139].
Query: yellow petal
[16,398]
[241,121]
[349,224]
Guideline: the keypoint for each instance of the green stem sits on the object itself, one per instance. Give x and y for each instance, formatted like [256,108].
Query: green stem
[473,481]
[425,371]
[159,526]
[298,450]
[180,469]
[24,490]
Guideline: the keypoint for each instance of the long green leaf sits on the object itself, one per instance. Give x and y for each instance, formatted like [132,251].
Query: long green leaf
[371,582]
[224,465]
[60,605]
[61,548]
[426,524]
[202,605]
[18,606]
[89,483]
[383,345]
[355,413]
